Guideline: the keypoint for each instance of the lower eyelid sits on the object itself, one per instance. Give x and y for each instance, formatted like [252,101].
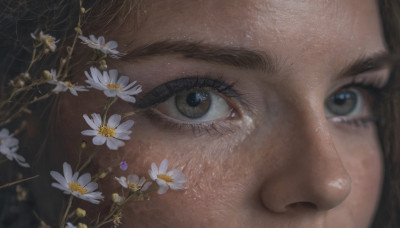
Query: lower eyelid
[214,128]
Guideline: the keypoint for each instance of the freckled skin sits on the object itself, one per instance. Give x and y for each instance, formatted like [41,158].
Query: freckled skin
[281,169]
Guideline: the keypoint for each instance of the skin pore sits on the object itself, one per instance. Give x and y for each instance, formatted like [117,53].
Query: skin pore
[277,156]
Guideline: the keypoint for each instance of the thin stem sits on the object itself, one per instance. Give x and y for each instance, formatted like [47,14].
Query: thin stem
[110,101]
[17,182]
[62,223]
[89,159]
[70,51]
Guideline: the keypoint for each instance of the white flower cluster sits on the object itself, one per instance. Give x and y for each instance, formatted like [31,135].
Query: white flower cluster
[48,41]
[9,146]
[101,45]
[109,131]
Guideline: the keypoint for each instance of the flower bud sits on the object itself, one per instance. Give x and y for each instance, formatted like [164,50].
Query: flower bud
[102,175]
[116,198]
[83,144]
[78,30]
[82,225]
[20,83]
[83,10]
[46,75]
[80,212]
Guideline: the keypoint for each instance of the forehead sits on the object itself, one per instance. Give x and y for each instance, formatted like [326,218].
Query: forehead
[291,29]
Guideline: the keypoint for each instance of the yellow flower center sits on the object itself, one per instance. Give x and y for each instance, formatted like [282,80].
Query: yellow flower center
[132,186]
[77,188]
[114,86]
[165,177]
[50,41]
[106,131]
[69,84]
[105,46]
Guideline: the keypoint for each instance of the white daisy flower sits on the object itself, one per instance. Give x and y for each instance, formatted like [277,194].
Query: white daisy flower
[47,40]
[101,45]
[64,86]
[111,85]
[80,187]
[110,133]
[133,182]
[173,179]
[9,147]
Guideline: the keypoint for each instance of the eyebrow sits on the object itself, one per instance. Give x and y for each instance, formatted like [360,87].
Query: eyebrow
[246,58]
[226,55]
[369,63]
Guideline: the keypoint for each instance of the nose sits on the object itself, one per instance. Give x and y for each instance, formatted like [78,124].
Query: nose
[310,174]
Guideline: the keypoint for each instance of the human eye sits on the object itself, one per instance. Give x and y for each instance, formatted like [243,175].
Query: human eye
[353,104]
[197,103]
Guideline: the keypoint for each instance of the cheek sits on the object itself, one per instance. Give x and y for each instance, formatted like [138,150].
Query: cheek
[363,162]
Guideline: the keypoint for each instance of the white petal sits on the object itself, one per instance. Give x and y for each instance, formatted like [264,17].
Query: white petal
[90,122]
[113,76]
[59,186]
[113,121]
[125,126]
[175,186]
[113,144]
[110,92]
[123,81]
[97,120]
[101,40]
[105,79]
[67,172]
[59,178]
[73,91]
[84,179]
[122,136]
[89,132]
[129,86]
[134,91]
[93,38]
[163,189]
[146,186]
[127,98]
[99,140]
[91,187]
[4,133]
[75,177]
[141,181]
[163,166]
[133,178]
[80,88]
[112,44]
[154,171]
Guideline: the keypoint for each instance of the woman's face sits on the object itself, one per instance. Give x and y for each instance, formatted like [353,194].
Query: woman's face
[269,117]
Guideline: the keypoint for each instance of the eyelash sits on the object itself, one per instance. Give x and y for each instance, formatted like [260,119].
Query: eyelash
[169,89]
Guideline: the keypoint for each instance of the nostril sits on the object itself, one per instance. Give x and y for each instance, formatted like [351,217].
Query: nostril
[302,205]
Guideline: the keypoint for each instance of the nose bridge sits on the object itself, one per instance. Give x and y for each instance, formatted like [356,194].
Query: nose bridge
[313,172]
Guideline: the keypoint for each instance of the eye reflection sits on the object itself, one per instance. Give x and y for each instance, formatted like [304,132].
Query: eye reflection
[196,105]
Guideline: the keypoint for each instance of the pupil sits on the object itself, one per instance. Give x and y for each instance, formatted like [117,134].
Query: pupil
[193,104]
[194,99]
[341,98]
